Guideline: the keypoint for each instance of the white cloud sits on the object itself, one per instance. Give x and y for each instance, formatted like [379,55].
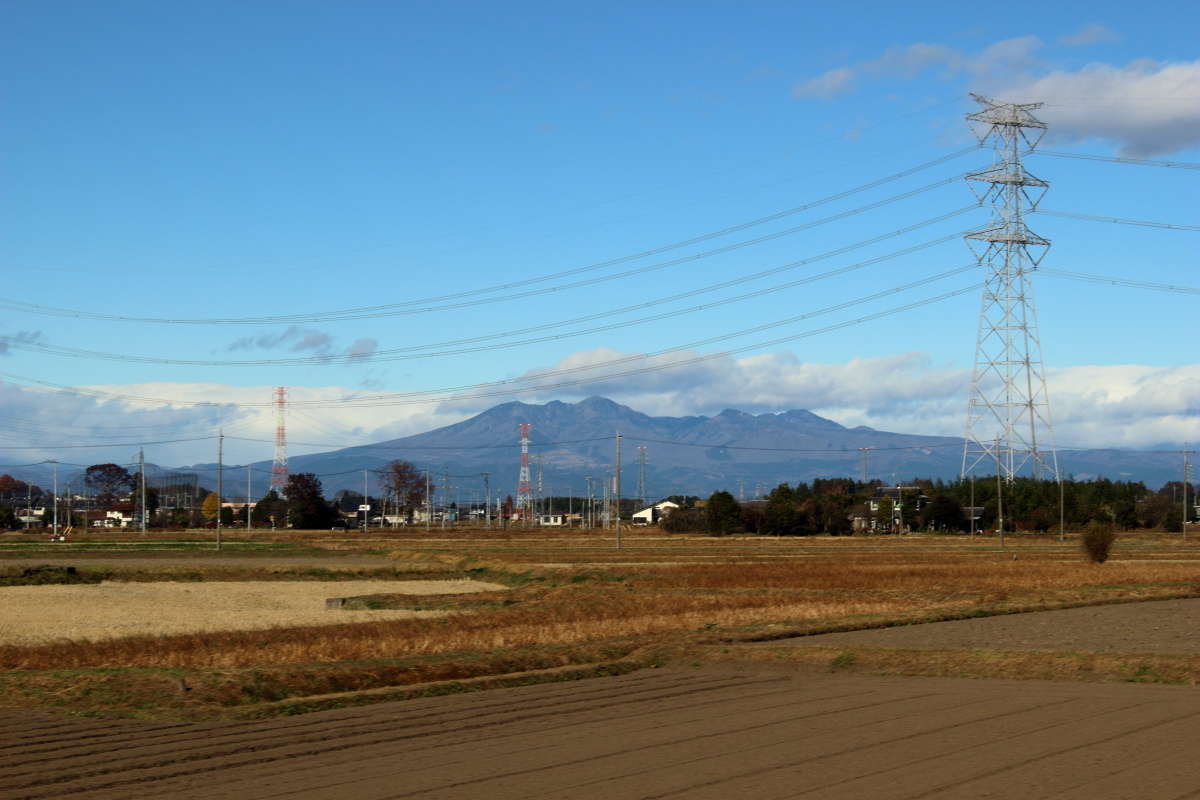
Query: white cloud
[1145,107]
[1108,406]
[826,85]
[1092,33]
[1132,406]
[1001,59]
[33,416]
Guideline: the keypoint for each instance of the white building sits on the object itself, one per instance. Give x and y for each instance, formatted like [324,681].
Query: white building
[652,514]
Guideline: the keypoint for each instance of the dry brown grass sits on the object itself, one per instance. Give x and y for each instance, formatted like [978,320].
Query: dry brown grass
[574,599]
[1003,664]
[594,605]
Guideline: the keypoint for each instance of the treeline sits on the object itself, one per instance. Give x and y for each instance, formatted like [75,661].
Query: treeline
[842,506]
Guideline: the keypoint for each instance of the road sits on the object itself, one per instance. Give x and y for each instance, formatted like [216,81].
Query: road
[709,732]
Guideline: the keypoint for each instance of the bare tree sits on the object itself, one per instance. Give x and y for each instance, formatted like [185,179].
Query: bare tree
[405,482]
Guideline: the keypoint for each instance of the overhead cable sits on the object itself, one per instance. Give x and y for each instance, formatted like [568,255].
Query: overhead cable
[408,307]
[1109,279]
[1144,162]
[446,393]
[406,353]
[1118,220]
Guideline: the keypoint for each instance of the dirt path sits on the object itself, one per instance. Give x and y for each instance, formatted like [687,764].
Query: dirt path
[36,614]
[706,733]
[1162,626]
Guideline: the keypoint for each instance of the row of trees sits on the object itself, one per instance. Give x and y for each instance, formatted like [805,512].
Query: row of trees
[829,506]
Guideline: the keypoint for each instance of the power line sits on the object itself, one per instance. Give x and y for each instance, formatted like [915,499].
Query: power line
[425,447]
[365,311]
[1118,220]
[52,311]
[446,393]
[404,353]
[1144,162]
[105,444]
[1108,279]
[851,451]
[722,285]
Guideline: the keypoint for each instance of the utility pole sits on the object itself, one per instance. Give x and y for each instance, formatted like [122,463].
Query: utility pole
[487,498]
[220,464]
[972,504]
[248,498]
[445,498]
[366,510]
[641,476]
[617,490]
[1062,512]
[589,515]
[142,476]
[999,502]
[1187,479]
[55,463]
[539,500]
[606,503]
[428,504]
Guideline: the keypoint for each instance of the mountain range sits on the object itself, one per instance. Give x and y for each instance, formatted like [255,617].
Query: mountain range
[732,450]
[684,455]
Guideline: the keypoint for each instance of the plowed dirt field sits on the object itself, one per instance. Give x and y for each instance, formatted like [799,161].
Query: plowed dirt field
[715,733]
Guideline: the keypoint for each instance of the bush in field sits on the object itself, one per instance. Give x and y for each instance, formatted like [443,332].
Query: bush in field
[683,520]
[1097,541]
[723,515]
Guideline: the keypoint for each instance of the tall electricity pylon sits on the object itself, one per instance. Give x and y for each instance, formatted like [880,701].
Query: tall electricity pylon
[524,492]
[279,466]
[1008,413]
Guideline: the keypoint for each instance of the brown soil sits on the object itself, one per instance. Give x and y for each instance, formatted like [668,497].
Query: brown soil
[690,733]
[1164,626]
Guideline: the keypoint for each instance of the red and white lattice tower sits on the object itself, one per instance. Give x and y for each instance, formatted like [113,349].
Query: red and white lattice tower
[524,494]
[279,468]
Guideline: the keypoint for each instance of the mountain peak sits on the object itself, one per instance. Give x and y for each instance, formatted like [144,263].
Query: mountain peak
[598,402]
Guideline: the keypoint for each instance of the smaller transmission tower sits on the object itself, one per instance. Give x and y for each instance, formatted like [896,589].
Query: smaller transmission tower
[279,468]
[524,493]
[1008,413]
[641,489]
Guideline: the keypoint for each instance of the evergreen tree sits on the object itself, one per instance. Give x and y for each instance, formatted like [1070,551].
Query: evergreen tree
[723,514]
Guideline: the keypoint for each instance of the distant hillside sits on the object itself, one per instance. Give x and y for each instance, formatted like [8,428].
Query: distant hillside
[693,455]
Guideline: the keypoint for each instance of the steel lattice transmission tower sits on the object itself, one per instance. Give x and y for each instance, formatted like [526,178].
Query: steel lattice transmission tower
[1008,413]
[279,467]
[524,492]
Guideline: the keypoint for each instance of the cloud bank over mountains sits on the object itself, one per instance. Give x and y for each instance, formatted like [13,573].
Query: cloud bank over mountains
[1145,107]
[1127,406]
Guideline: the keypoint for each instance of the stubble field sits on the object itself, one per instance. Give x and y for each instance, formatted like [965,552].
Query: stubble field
[573,605]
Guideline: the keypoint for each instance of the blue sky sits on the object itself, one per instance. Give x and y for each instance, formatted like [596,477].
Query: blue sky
[245,159]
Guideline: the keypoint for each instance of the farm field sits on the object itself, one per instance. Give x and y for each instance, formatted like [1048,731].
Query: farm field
[113,609]
[550,607]
[690,732]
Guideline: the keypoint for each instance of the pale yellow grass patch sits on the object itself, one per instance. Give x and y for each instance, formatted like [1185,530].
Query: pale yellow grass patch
[41,614]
